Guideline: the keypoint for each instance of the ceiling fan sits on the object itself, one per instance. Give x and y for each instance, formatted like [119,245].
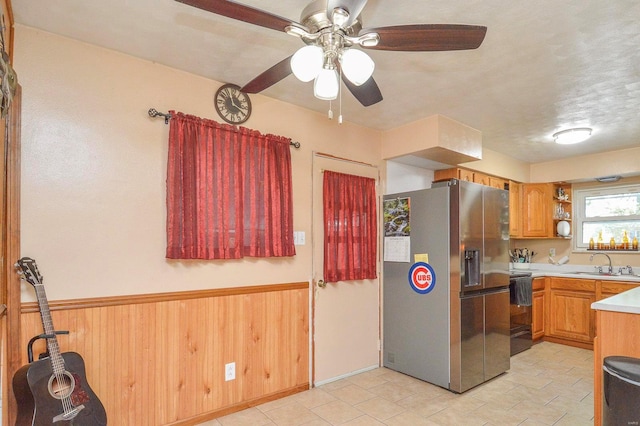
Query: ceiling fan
[331,30]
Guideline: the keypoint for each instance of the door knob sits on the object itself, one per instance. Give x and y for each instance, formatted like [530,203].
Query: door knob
[321,284]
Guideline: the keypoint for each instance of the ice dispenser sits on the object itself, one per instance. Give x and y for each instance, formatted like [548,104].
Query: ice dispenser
[471,268]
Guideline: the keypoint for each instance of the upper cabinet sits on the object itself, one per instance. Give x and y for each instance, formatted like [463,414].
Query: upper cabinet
[537,210]
[470,176]
[534,208]
[515,209]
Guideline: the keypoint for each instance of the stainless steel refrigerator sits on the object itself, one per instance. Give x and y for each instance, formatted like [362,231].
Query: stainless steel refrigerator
[446,284]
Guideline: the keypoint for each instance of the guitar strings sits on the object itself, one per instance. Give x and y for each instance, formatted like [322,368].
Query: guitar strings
[57,362]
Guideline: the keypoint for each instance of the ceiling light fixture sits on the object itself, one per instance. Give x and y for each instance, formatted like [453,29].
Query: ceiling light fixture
[571,136]
[357,66]
[315,62]
[609,179]
[327,84]
[307,62]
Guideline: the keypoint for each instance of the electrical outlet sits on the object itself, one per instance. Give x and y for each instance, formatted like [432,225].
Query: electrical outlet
[552,252]
[230,371]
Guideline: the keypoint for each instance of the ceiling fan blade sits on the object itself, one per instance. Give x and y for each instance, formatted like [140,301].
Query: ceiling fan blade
[367,93]
[270,77]
[428,37]
[354,7]
[242,13]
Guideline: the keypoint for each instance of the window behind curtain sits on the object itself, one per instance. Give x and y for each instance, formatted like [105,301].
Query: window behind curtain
[350,227]
[228,192]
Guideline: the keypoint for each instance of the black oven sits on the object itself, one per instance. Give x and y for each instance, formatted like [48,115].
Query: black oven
[520,292]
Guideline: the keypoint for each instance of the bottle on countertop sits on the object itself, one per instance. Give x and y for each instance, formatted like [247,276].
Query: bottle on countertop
[592,244]
[600,241]
[612,244]
[625,241]
[634,243]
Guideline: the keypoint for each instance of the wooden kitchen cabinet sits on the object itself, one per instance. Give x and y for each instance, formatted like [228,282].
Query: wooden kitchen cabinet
[571,317]
[481,178]
[616,335]
[496,182]
[537,210]
[470,176]
[515,209]
[455,173]
[561,207]
[538,308]
[607,288]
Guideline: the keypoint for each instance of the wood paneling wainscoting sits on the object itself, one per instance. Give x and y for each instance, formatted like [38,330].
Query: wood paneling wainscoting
[160,359]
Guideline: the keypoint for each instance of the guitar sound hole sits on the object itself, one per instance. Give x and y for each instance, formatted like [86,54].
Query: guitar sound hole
[61,387]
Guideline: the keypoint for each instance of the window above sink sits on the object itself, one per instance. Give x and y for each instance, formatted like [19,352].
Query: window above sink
[612,210]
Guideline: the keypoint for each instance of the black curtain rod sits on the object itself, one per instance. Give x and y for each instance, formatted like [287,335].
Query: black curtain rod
[155,113]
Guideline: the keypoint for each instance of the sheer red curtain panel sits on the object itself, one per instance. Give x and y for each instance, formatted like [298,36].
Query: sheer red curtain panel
[229,191]
[350,227]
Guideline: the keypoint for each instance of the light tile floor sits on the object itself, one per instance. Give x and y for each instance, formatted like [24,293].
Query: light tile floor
[549,384]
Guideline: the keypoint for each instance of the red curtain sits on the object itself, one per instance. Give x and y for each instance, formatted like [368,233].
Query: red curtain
[350,227]
[228,191]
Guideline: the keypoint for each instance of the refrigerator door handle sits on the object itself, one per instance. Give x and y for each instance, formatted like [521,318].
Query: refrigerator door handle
[470,294]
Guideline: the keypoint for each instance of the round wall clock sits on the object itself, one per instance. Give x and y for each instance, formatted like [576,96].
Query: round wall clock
[232,105]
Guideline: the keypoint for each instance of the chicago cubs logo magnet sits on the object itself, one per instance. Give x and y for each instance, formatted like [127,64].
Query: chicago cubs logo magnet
[422,277]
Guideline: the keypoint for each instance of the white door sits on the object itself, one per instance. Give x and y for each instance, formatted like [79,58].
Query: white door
[346,314]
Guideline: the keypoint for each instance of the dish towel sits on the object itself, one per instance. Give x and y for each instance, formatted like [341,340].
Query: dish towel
[523,292]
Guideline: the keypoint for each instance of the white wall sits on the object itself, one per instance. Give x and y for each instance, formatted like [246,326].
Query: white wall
[402,178]
[94,169]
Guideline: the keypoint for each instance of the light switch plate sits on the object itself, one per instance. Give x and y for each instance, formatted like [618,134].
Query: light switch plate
[298,238]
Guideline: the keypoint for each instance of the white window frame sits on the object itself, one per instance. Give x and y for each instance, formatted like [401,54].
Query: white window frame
[579,196]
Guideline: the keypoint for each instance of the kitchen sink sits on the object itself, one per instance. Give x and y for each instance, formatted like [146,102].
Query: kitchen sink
[598,274]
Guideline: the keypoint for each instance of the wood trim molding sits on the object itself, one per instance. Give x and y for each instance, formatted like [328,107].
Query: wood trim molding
[240,406]
[99,302]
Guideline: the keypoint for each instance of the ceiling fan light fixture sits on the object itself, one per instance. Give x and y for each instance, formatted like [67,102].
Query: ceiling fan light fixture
[327,85]
[307,62]
[357,66]
[572,136]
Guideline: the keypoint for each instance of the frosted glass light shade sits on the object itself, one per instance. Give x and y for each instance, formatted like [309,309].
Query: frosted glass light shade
[571,136]
[326,85]
[357,66]
[306,63]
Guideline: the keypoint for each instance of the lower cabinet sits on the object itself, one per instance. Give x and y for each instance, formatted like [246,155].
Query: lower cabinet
[570,300]
[561,308]
[611,288]
[538,309]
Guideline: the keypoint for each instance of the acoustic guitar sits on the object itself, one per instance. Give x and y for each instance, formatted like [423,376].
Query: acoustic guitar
[53,390]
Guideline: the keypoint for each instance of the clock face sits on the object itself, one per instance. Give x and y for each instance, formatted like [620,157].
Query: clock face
[232,105]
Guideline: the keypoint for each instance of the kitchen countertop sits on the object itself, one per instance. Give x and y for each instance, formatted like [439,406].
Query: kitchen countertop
[628,301]
[585,276]
[585,272]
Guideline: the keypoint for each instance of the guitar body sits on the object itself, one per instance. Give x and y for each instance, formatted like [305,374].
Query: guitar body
[37,405]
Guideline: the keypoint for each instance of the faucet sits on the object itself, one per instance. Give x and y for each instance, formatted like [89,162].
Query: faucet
[628,268]
[604,254]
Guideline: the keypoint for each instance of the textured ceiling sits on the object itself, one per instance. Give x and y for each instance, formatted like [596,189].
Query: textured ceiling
[544,66]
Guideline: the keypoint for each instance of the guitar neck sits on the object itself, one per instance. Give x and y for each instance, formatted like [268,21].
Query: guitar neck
[57,362]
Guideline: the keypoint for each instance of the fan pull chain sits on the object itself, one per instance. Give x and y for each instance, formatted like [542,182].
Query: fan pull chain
[330,114]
